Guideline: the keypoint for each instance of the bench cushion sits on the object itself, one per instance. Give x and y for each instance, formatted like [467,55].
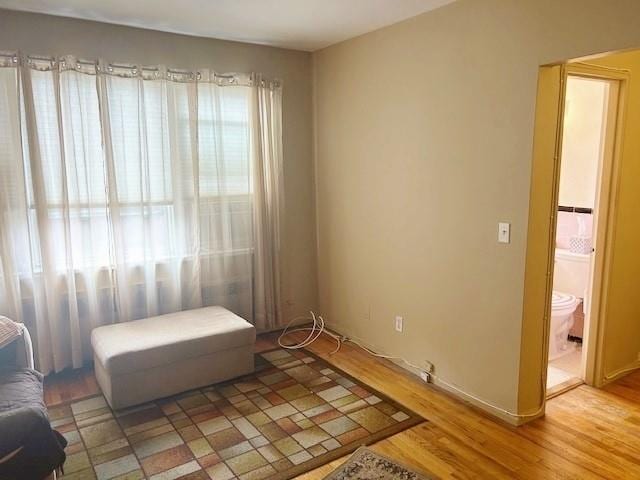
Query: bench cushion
[165,339]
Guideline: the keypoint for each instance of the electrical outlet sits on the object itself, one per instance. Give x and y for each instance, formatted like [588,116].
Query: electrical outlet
[424,376]
[399,324]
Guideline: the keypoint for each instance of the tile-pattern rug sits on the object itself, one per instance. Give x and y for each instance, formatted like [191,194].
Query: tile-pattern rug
[366,464]
[294,413]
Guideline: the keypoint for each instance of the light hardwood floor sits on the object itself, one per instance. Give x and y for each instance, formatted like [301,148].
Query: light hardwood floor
[586,433]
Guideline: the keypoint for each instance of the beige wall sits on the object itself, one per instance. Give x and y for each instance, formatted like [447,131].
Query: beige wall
[47,35]
[423,144]
[584,120]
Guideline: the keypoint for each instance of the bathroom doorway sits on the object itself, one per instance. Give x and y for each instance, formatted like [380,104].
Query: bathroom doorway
[611,331]
[587,141]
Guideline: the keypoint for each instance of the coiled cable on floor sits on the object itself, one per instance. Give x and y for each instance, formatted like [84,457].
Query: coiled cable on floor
[316,329]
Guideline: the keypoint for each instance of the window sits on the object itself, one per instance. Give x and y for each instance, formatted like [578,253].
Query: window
[136,170]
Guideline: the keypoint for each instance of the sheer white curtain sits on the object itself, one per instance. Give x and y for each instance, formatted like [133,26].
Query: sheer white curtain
[129,192]
[266,120]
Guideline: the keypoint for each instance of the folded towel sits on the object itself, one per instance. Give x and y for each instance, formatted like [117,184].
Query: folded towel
[9,331]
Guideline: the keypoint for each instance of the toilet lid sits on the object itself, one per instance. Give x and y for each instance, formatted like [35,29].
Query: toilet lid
[561,300]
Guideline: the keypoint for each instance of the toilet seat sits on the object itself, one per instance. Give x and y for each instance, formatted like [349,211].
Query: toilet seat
[561,301]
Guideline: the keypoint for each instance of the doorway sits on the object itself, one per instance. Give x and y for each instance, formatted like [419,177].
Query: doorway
[552,116]
[587,141]
[611,332]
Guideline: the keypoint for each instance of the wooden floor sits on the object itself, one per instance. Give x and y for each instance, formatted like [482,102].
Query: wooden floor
[586,433]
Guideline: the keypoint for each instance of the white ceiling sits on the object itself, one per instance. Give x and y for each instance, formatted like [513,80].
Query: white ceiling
[298,24]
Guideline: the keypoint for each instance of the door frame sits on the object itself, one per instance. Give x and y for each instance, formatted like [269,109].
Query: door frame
[604,216]
[541,235]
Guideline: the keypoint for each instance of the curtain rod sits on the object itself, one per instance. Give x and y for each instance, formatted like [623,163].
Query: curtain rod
[16,58]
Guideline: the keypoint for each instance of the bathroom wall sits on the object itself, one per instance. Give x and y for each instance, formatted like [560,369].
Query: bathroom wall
[424,134]
[568,226]
[582,140]
[584,121]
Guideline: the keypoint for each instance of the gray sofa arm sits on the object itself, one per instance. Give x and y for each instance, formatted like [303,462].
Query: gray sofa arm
[24,351]
[18,353]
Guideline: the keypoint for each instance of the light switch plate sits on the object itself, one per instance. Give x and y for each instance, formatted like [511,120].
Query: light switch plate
[504,232]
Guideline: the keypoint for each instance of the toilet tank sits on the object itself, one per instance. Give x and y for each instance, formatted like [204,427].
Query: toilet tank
[571,272]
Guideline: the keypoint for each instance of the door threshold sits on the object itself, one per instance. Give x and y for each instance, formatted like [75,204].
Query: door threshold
[564,387]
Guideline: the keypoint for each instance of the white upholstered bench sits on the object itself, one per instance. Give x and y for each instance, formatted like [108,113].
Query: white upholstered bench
[143,360]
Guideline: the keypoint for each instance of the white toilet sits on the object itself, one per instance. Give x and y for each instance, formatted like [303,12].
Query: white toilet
[570,281]
[562,307]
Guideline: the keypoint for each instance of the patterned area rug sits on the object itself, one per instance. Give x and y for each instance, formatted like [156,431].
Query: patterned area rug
[366,464]
[296,412]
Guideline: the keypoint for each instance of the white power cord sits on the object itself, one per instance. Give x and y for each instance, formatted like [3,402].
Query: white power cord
[317,328]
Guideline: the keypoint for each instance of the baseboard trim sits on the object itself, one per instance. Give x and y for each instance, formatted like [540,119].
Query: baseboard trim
[494,413]
[621,372]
